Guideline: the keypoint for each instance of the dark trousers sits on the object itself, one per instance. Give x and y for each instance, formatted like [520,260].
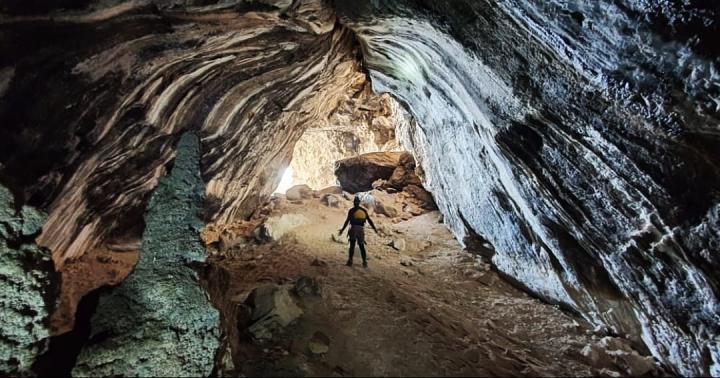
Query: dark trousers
[352,251]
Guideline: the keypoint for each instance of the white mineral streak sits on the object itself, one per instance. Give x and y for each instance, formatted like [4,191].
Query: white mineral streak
[451,94]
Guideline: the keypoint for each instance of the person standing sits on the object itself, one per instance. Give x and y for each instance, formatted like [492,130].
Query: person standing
[357,216]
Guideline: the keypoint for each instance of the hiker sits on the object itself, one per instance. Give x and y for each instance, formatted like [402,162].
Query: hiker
[357,217]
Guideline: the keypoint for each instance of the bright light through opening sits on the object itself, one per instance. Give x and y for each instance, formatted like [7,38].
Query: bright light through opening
[286,181]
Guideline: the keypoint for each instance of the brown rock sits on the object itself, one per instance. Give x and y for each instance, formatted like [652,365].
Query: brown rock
[298,193]
[332,190]
[357,174]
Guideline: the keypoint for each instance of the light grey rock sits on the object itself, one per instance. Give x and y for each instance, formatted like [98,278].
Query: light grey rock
[28,288]
[272,310]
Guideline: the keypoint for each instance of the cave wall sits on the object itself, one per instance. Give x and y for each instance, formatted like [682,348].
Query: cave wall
[580,139]
[94,96]
[129,78]
[28,287]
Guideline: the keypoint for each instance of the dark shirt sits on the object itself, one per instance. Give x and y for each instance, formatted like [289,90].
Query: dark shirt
[357,217]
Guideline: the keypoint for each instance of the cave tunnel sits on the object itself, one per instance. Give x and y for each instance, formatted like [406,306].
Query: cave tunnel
[543,180]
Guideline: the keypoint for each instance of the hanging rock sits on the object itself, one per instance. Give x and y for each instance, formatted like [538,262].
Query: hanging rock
[357,174]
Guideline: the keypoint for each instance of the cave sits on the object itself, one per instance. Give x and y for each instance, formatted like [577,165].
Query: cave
[543,180]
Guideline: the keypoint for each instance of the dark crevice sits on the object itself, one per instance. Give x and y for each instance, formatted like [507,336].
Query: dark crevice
[63,350]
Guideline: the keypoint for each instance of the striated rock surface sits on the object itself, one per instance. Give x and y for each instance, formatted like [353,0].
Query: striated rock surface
[159,321]
[131,76]
[28,287]
[579,138]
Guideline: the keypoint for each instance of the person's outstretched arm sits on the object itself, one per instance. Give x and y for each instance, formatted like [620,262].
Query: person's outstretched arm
[347,220]
[371,223]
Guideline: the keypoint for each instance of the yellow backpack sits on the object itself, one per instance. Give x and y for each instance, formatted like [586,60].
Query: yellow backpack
[360,214]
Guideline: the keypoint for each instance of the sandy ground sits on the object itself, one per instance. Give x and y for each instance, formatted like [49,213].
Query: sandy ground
[440,312]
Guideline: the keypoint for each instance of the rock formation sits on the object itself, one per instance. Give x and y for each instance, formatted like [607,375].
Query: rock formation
[362,124]
[357,174]
[28,287]
[578,138]
[159,322]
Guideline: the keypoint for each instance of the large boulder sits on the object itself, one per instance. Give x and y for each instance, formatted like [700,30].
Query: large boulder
[272,309]
[404,174]
[357,174]
[299,192]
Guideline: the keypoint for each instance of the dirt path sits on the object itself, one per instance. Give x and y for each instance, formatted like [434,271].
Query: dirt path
[431,309]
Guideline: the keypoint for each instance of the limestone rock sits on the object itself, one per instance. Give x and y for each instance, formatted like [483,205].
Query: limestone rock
[404,174]
[319,343]
[357,174]
[397,244]
[335,189]
[159,321]
[386,209]
[275,227]
[28,288]
[406,261]
[299,192]
[272,310]
[331,200]
[307,287]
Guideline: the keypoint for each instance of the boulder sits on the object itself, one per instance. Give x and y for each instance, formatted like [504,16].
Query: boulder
[332,190]
[272,309]
[319,343]
[357,174]
[299,193]
[404,174]
[386,209]
[275,227]
[397,244]
[330,200]
[421,197]
[307,287]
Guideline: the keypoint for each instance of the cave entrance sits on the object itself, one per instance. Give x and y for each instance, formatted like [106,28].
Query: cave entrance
[361,124]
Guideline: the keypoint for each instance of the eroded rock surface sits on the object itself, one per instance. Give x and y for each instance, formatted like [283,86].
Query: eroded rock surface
[28,285]
[159,321]
[579,138]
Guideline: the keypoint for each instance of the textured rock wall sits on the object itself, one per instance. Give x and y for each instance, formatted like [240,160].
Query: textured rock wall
[127,77]
[159,321]
[361,124]
[580,139]
[28,287]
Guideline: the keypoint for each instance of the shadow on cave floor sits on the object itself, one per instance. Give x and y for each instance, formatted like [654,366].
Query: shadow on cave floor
[427,309]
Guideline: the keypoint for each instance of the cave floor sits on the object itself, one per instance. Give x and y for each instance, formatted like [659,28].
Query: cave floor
[430,309]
